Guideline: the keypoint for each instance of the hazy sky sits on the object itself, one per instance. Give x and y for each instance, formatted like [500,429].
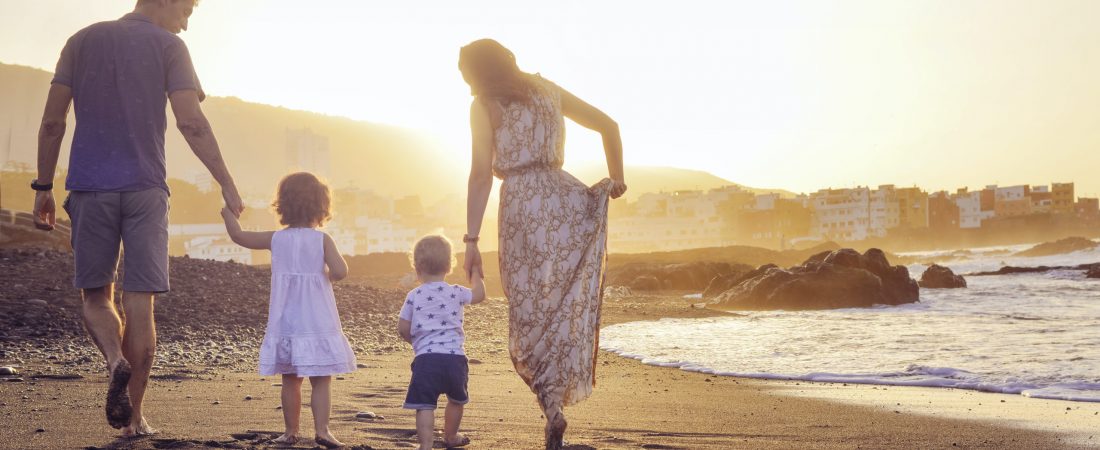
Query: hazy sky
[798,95]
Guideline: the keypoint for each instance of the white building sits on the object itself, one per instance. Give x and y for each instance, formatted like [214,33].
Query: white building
[217,248]
[383,235]
[650,234]
[841,214]
[884,210]
[308,151]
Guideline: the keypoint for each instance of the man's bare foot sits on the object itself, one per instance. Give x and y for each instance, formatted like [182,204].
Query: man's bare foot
[286,439]
[459,441]
[118,398]
[139,429]
[327,441]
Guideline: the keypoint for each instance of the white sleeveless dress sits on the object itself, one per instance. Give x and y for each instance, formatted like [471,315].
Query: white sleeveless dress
[304,335]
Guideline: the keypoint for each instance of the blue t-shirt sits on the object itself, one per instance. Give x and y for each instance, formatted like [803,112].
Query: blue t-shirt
[435,312]
[121,73]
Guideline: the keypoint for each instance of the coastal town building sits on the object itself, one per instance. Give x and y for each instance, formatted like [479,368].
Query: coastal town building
[217,248]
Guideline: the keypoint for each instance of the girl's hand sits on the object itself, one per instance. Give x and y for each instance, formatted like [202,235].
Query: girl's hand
[228,215]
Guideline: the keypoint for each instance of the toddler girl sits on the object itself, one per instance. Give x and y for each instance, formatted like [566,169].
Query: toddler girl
[303,337]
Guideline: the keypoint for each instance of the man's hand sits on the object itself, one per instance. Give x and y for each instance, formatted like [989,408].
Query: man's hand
[233,199]
[45,214]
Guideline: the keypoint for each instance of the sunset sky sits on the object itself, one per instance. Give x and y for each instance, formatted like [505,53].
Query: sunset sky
[798,95]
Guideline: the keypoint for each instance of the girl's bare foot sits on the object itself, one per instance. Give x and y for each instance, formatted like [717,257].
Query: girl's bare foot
[327,441]
[286,439]
[141,428]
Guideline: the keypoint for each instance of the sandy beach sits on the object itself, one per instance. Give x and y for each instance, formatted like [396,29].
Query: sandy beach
[205,393]
[634,406]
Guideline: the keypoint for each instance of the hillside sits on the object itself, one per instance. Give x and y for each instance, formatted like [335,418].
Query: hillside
[253,139]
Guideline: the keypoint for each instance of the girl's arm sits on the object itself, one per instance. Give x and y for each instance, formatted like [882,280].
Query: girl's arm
[478,289]
[404,328]
[256,240]
[589,117]
[480,183]
[337,267]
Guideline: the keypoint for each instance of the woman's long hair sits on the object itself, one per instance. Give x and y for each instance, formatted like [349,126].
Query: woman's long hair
[491,71]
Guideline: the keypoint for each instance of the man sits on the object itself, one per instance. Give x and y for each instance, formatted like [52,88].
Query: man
[119,75]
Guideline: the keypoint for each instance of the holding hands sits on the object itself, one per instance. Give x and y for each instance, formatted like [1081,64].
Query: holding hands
[472,264]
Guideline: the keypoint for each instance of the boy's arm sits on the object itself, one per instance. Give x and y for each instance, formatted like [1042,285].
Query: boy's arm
[404,328]
[337,267]
[256,240]
[478,290]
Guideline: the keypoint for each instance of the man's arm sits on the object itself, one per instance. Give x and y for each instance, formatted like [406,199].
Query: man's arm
[50,135]
[200,137]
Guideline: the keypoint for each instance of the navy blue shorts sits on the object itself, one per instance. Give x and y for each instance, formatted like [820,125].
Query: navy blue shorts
[434,374]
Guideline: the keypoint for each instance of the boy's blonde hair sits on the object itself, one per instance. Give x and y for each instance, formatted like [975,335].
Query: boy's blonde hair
[432,255]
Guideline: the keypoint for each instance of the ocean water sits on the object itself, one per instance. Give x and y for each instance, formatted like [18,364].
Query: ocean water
[1036,335]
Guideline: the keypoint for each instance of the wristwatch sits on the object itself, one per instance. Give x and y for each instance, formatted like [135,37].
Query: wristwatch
[469,239]
[41,187]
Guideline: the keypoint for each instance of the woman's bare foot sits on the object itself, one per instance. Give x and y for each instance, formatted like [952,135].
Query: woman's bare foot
[139,429]
[555,431]
[458,441]
[286,439]
[327,441]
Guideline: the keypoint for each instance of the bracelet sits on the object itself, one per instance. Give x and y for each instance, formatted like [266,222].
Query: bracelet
[41,187]
[469,239]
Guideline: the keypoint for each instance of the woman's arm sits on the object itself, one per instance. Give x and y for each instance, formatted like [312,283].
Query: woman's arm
[256,240]
[480,183]
[589,117]
[337,267]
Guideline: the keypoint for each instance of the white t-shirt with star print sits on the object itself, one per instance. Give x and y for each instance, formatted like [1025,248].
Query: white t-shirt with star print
[435,312]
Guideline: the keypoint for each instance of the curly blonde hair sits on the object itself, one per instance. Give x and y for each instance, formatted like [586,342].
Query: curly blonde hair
[303,200]
[432,255]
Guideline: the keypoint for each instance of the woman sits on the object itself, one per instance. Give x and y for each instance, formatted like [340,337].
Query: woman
[553,228]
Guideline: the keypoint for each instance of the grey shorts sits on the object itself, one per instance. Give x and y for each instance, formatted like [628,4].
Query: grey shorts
[102,220]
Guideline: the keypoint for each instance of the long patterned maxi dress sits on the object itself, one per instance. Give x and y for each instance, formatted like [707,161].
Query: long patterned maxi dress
[553,245]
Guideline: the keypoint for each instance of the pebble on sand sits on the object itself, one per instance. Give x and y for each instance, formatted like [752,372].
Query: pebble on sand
[8,371]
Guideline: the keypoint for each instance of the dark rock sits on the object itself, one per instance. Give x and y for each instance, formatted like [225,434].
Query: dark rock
[1067,245]
[646,283]
[1010,270]
[693,276]
[366,415]
[1093,272]
[839,279]
[940,277]
[8,371]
